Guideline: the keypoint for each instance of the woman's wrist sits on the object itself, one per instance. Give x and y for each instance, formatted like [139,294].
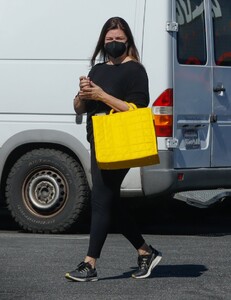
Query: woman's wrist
[79,105]
[77,100]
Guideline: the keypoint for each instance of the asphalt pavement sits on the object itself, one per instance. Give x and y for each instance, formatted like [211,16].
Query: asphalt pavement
[196,260]
[193,267]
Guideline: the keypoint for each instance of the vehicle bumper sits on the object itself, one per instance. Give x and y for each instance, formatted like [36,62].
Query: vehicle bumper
[163,178]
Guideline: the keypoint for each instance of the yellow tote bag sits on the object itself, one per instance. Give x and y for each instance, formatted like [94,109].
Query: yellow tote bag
[125,139]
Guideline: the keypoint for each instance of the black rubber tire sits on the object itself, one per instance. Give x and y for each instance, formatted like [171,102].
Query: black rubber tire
[46,191]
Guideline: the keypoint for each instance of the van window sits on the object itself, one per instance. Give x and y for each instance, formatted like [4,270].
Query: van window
[191,36]
[221,12]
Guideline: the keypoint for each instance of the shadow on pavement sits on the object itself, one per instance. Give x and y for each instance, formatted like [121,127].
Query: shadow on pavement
[176,217]
[162,271]
[161,217]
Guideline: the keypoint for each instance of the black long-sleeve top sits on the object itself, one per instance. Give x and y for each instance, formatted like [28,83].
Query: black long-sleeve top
[127,81]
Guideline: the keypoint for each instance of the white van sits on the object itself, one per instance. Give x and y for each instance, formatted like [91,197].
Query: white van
[185,46]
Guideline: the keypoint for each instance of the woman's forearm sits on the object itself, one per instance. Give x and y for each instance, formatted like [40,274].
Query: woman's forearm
[79,105]
[115,103]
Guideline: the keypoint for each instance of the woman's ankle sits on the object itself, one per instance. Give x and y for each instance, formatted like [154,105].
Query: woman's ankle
[91,261]
[144,250]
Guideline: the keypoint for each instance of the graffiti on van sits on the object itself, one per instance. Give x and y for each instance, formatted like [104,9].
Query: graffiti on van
[189,10]
[216,9]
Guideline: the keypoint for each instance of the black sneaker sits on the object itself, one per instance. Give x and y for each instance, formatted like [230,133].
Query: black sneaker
[83,272]
[147,263]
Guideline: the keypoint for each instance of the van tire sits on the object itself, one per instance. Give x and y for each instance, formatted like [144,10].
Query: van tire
[46,191]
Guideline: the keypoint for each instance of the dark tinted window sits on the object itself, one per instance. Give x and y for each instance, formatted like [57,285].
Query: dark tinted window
[191,37]
[222,31]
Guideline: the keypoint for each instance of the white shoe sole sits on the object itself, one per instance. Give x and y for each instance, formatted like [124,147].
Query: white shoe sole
[68,276]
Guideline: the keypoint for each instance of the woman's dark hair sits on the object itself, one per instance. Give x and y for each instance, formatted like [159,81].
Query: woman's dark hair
[115,23]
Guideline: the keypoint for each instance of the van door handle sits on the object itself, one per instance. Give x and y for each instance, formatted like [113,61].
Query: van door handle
[219,89]
[78,119]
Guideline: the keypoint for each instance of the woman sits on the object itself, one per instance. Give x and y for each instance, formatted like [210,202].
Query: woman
[120,78]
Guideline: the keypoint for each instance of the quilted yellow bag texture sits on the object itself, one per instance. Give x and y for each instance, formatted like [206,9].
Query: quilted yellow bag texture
[125,139]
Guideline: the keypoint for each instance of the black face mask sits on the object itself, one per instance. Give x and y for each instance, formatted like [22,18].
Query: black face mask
[115,49]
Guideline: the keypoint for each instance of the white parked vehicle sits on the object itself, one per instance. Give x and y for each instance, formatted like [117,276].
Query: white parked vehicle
[44,156]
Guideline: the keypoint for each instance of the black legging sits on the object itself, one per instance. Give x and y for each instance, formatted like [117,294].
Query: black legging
[106,204]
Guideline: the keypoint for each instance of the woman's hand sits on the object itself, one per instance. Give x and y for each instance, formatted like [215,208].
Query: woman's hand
[89,90]
[79,103]
[96,93]
[84,82]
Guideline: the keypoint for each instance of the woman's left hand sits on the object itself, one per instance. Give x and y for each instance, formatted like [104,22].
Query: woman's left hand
[96,93]
[92,92]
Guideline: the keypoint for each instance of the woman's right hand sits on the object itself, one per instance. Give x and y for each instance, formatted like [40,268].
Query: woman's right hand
[84,82]
[79,104]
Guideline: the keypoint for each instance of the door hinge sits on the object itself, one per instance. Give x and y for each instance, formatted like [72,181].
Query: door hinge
[172,26]
[171,143]
[213,118]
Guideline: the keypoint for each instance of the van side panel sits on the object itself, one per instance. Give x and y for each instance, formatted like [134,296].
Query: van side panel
[157,50]
[157,58]
[45,46]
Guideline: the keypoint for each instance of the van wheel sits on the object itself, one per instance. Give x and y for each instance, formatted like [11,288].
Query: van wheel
[46,191]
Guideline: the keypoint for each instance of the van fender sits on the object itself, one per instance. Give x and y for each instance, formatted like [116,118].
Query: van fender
[49,137]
